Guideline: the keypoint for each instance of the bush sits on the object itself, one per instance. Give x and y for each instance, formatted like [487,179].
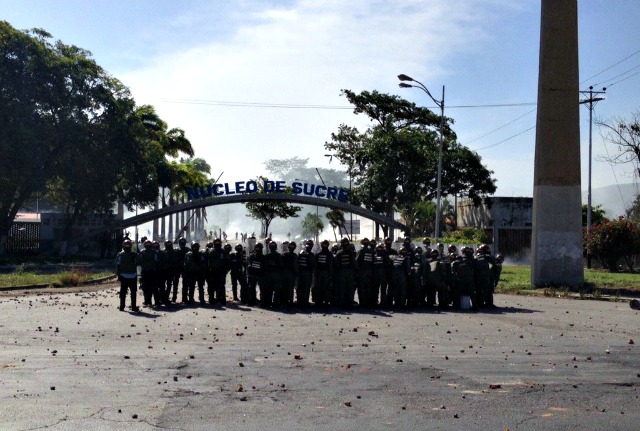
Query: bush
[611,241]
[469,235]
[74,277]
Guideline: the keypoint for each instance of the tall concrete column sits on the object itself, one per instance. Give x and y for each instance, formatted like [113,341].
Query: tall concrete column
[556,245]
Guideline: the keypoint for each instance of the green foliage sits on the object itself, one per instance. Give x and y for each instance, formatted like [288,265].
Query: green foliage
[71,132]
[469,235]
[394,162]
[267,211]
[633,212]
[611,241]
[597,215]
[336,220]
[312,225]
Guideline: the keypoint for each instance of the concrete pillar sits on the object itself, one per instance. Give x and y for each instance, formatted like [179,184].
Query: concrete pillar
[556,245]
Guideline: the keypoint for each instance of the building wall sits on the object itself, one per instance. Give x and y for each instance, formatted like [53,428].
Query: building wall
[498,211]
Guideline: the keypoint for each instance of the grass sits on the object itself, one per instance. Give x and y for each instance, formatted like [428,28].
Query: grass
[74,277]
[517,279]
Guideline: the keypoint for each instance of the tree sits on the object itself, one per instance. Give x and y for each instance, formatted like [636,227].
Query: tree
[336,220]
[633,212]
[597,215]
[312,225]
[393,163]
[296,169]
[73,133]
[625,134]
[59,113]
[613,240]
[267,211]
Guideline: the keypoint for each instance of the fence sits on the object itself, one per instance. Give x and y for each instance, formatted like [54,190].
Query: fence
[24,238]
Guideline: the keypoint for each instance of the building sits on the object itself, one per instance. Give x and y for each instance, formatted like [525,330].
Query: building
[507,220]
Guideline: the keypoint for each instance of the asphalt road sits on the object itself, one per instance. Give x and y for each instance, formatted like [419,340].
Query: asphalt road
[71,361]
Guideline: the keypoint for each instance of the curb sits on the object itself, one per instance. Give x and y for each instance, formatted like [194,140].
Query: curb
[44,286]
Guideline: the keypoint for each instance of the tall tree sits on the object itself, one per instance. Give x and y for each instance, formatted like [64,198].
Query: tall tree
[394,162]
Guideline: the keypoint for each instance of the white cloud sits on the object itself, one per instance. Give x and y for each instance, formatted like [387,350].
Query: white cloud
[301,54]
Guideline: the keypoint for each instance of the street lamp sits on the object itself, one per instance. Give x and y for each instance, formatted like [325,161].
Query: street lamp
[440,104]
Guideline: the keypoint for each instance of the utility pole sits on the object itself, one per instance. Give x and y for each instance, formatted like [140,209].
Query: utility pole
[590,103]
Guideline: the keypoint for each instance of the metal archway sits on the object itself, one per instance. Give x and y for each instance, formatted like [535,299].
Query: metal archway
[260,197]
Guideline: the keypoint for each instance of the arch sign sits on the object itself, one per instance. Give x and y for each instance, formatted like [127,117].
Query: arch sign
[268,186]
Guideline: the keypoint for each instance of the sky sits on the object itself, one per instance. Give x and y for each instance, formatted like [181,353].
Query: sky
[255,80]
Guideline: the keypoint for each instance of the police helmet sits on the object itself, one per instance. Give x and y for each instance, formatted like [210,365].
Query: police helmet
[292,245]
[325,243]
[168,242]
[434,253]
[127,243]
[182,240]
[499,258]
[309,243]
[195,245]
[452,248]
[259,246]
[238,247]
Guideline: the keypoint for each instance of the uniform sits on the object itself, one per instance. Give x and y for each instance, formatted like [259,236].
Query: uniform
[322,287]
[306,266]
[364,260]
[195,263]
[126,270]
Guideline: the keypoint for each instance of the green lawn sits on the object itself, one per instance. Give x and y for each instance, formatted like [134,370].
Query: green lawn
[64,278]
[517,279]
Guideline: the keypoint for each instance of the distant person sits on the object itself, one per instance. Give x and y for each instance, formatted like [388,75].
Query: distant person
[126,270]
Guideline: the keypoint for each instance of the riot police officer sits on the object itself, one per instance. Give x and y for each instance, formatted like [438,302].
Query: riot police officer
[255,271]
[306,265]
[290,271]
[345,261]
[364,260]
[237,268]
[195,263]
[218,266]
[271,288]
[322,288]
[126,270]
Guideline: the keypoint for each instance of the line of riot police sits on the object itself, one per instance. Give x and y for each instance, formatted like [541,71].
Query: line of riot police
[381,276]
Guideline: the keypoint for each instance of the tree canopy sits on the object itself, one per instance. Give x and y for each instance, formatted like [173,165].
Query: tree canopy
[268,211]
[72,132]
[393,164]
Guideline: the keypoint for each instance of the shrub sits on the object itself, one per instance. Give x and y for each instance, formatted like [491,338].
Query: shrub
[613,240]
[468,235]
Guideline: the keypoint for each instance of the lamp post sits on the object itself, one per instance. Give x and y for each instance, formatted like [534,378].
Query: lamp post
[440,104]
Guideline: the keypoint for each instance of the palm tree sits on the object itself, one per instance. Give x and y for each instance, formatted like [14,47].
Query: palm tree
[336,220]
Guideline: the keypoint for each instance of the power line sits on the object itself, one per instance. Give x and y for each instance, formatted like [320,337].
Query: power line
[505,140]
[303,106]
[617,76]
[611,67]
[623,79]
[501,127]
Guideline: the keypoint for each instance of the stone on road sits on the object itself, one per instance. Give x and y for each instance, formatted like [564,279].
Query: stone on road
[73,361]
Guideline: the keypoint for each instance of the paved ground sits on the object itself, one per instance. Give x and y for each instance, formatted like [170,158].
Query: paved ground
[72,361]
